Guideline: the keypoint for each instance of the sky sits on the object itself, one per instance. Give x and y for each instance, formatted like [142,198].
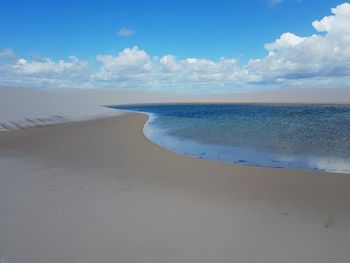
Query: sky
[182,46]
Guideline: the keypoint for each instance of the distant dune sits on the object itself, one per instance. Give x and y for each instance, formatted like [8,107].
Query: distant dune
[288,95]
[22,107]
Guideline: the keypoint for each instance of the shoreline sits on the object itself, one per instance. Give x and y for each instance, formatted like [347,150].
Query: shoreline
[147,120]
[232,103]
[100,191]
[203,151]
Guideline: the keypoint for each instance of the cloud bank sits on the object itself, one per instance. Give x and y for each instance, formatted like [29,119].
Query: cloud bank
[319,60]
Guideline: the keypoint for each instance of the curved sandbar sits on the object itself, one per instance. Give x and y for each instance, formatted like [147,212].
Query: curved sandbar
[99,191]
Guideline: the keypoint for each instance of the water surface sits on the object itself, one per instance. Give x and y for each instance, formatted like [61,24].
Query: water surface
[313,137]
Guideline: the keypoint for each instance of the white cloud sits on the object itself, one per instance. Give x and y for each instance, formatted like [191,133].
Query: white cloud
[7,54]
[136,67]
[47,66]
[129,64]
[45,72]
[125,32]
[130,59]
[318,60]
[170,64]
[275,2]
[338,23]
[287,40]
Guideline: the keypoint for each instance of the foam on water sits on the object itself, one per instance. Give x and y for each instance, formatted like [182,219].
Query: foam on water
[312,137]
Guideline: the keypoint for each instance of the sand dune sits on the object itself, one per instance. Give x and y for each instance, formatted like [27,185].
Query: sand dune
[28,107]
[99,191]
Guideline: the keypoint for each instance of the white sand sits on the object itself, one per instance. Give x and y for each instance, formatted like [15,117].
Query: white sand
[22,107]
[99,191]
[34,107]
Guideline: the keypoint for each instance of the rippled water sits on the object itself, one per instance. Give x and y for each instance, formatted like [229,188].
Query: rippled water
[313,137]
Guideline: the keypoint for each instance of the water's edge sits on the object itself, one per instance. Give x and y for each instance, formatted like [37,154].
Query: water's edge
[201,151]
[297,137]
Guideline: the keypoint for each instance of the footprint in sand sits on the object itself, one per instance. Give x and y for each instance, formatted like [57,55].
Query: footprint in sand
[329,222]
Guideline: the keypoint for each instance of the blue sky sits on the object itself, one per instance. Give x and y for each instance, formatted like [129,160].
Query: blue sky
[207,30]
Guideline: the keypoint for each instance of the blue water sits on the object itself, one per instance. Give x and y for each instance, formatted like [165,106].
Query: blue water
[311,137]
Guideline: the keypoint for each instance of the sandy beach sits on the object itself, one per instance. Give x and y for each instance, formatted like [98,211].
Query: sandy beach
[175,132]
[99,191]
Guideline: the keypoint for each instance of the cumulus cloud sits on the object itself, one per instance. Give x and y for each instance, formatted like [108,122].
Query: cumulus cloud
[47,67]
[287,40]
[129,60]
[131,67]
[318,60]
[137,67]
[336,23]
[170,64]
[45,71]
[125,32]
